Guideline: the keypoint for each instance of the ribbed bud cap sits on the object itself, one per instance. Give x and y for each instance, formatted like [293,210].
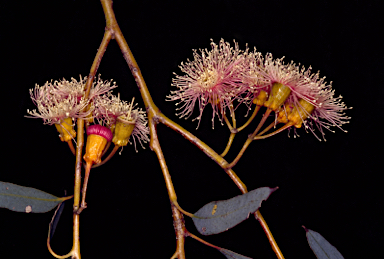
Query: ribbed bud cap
[101,131]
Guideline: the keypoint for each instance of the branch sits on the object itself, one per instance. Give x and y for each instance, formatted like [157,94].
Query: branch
[154,117]
[152,112]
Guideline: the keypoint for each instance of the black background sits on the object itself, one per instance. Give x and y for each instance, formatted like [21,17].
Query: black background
[332,187]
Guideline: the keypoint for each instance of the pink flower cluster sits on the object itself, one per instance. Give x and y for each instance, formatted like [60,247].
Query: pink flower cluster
[226,74]
[64,99]
[109,108]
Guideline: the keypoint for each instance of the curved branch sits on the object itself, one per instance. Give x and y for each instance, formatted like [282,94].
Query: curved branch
[152,112]
[155,116]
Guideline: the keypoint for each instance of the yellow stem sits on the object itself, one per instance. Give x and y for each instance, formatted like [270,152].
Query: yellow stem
[268,232]
[183,211]
[189,234]
[106,147]
[229,144]
[286,126]
[71,147]
[80,144]
[266,129]
[250,139]
[56,255]
[76,237]
[77,189]
[85,185]
[227,122]
[257,108]
[233,115]
[202,146]
[115,148]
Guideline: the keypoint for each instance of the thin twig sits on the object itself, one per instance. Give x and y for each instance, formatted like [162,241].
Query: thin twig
[266,129]
[115,148]
[71,147]
[232,115]
[286,126]
[229,125]
[250,139]
[229,144]
[270,237]
[189,234]
[257,108]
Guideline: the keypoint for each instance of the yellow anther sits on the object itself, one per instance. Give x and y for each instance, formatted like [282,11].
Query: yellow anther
[65,128]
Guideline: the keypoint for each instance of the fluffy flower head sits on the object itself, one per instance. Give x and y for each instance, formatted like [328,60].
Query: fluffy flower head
[65,99]
[214,76]
[52,107]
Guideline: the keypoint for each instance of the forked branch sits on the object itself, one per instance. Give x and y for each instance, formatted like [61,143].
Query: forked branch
[154,117]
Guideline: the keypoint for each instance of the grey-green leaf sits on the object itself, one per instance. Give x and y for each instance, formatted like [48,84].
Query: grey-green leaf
[26,199]
[218,216]
[232,255]
[321,247]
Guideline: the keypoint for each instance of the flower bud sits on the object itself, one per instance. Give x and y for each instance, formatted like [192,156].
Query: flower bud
[260,98]
[123,130]
[300,113]
[98,136]
[277,97]
[295,114]
[65,128]
[283,113]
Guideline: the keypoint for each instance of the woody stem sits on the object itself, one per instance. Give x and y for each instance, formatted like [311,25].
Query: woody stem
[154,117]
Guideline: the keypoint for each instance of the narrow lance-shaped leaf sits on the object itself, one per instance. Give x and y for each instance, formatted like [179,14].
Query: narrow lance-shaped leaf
[219,216]
[55,219]
[232,255]
[321,247]
[26,199]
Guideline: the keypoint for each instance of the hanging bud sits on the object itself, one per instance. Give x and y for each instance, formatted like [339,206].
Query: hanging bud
[123,130]
[98,136]
[284,113]
[65,128]
[300,113]
[260,98]
[277,97]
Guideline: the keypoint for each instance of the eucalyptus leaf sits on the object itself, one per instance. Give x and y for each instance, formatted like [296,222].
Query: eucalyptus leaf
[218,216]
[321,247]
[26,199]
[232,255]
